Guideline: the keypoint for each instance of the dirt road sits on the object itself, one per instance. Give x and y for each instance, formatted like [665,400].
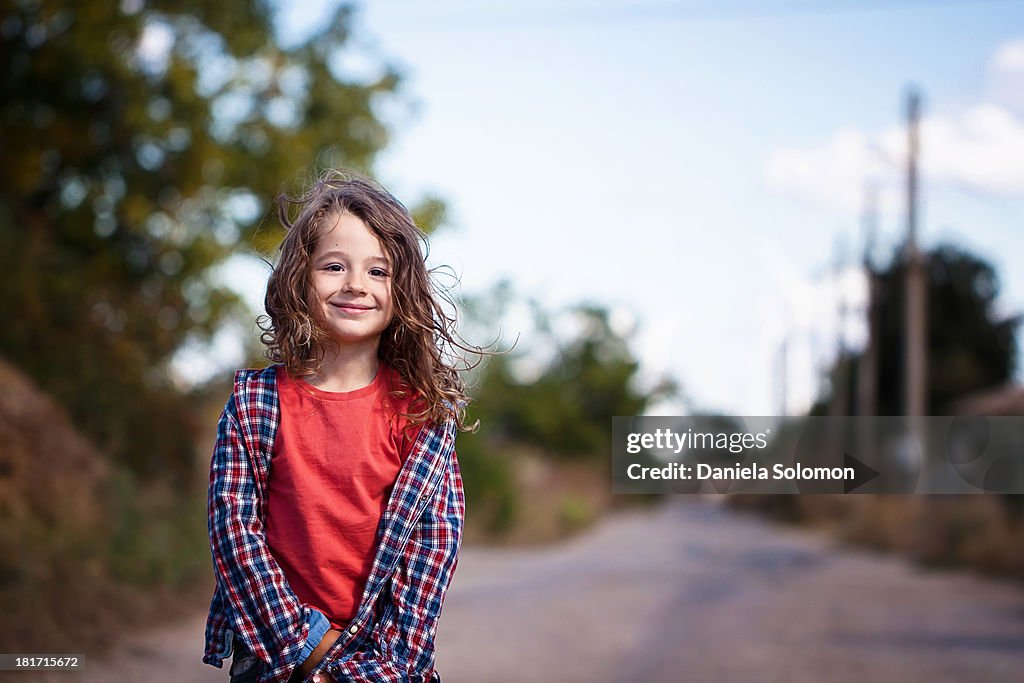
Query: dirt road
[689,592]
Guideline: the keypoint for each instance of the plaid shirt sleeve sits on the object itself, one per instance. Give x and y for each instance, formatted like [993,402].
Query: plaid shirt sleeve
[266,615]
[400,646]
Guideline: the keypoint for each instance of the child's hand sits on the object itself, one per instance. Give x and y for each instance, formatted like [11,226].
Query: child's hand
[329,639]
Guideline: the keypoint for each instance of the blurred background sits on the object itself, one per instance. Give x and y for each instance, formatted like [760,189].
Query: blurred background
[743,207]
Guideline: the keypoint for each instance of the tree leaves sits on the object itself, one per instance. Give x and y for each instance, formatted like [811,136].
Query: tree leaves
[142,143]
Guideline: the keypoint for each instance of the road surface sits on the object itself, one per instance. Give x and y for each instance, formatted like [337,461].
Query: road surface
[687,592]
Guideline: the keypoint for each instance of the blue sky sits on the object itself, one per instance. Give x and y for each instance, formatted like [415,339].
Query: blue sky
[693,165]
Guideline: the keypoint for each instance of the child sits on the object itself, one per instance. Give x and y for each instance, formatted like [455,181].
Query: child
[336,503]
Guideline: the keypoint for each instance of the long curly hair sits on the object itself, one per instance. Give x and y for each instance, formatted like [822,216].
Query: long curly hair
[420,343]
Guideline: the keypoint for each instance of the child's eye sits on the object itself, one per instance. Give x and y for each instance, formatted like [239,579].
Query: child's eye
[378,272]
[334,268]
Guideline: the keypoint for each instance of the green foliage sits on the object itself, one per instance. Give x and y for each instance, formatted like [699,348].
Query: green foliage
[552,394]
[159,536]
[567,409]
[575,513]
[142,143]
[969,346]
[492,493]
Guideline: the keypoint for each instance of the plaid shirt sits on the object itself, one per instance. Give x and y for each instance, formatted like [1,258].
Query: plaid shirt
[391,637]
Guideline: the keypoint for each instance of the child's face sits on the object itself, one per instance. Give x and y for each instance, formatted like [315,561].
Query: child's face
[351,281]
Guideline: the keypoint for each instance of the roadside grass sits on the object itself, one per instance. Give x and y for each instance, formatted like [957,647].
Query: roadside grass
[984,533]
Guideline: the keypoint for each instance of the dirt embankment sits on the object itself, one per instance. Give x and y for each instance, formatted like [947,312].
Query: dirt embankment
[53,518]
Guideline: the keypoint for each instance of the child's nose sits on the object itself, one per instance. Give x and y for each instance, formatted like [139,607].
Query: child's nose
[355,282]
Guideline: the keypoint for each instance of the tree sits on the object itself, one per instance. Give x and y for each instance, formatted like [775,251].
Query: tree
[970,347]
[566,408]
[143,142]
[553,393]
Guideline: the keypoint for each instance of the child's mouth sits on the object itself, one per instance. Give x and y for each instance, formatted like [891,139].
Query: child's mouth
[351,308]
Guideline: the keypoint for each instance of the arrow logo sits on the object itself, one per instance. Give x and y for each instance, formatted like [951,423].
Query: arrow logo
[862,473]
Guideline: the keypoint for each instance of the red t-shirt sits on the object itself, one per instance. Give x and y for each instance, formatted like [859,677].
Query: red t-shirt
[336,457]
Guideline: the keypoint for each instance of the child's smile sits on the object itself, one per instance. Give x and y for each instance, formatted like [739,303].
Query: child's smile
[353,309]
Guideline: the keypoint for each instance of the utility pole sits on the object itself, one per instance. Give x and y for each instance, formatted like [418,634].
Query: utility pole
[915,353]
[783,376]
[867,367]
[838,406]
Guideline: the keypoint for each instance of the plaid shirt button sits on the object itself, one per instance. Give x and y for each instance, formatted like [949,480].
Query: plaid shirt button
[316,678]
[353,629]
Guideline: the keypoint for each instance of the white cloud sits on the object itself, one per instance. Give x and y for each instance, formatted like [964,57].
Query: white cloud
[983,149]
[980,147]
[1006,76]
[833,174]
[1010,57]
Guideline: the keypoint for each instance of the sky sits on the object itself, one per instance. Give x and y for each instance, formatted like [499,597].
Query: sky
[698,167]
